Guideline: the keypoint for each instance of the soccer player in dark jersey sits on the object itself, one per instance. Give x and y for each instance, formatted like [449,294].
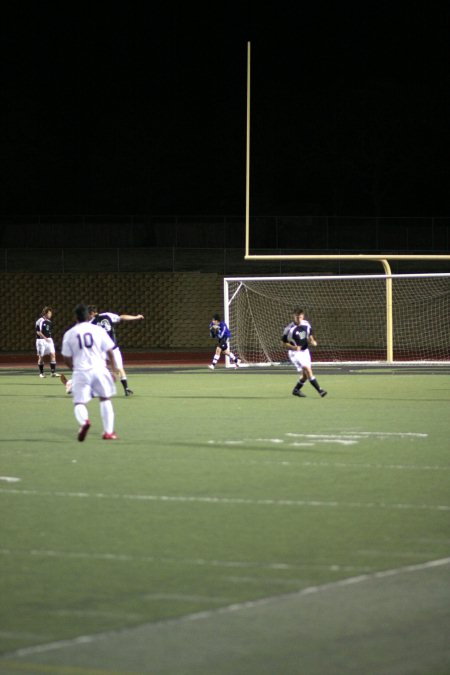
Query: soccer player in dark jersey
[108,320]
[296,338]
[44,341]
[219,330]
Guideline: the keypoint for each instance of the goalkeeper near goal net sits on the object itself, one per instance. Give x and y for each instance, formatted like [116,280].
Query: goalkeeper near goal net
[219,330]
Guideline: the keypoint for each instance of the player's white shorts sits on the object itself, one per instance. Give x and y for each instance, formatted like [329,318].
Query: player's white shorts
[301,359]
[44,347]
[89,383]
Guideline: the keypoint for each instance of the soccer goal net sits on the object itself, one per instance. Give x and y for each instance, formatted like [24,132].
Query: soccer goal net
[359,318]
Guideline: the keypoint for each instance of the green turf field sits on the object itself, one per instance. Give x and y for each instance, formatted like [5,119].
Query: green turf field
[232,528]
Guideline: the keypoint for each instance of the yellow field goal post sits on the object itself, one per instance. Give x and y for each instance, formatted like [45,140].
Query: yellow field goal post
[402,303]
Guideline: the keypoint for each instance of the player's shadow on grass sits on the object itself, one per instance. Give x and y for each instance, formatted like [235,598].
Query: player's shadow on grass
[384,397]
[33,396]
[34,440]
[37,383]
[231,397]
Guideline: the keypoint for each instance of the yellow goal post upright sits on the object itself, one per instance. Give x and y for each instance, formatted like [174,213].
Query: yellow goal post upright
[382,258]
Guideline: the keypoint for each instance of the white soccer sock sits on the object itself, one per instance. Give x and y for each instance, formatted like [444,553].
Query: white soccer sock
[107,413]
[81,413]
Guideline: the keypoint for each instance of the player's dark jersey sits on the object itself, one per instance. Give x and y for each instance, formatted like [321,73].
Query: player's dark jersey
[221,331]
[107,320]
[298,335]
[44,326]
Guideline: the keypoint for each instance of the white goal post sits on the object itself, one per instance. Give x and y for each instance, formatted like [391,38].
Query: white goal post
[380,318]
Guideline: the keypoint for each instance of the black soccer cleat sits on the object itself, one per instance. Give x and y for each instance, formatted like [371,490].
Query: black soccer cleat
[128,392]
[323,393]
[83,431]
[297,392]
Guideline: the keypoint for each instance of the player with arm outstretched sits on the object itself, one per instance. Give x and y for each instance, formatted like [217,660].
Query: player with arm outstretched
[219,331]
[297,337]
[108,321]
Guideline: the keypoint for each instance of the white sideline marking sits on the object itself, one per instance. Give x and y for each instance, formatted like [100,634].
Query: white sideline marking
[183,597]
[226,460]
[237,607]
[355,465]
[229,500]
[341,438]
[363,434]
[358,435]
[337,441]
[202,562]
[10,479]
[270,440]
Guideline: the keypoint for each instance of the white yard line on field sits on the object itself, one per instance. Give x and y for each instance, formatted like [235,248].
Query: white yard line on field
[356,465]
[340,438]
[230,461]
[212,499]
[201,562]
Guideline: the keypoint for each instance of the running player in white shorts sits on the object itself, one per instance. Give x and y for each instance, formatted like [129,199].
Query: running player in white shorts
[44,341]
[86,349]
[296,338]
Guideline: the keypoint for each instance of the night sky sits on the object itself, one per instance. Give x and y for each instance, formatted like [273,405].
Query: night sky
[132,110]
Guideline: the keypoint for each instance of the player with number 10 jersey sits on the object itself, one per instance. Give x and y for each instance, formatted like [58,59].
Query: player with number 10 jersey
[86,349]
[88,346]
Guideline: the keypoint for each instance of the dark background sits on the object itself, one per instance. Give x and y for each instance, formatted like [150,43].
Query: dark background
[133,109]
